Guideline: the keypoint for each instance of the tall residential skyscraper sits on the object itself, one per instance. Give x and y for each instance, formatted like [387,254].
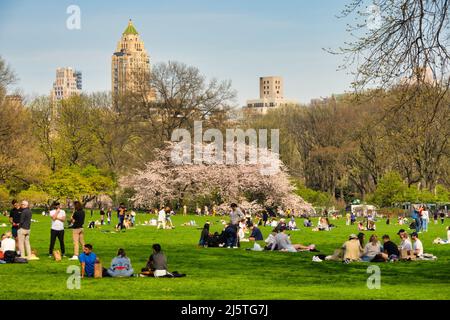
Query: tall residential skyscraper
[68,82]
[271,95]
[130,65]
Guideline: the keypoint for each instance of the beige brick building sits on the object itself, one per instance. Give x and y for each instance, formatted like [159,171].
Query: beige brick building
[271,95]
[130,65]
[68,83]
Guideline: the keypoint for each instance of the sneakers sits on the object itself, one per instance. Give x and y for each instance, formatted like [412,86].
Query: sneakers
[50,256]
[74,258]
[32,257]
[316,259]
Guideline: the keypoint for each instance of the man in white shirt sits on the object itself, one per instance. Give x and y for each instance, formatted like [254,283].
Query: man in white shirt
[58,217]
[162,218]
[417,246]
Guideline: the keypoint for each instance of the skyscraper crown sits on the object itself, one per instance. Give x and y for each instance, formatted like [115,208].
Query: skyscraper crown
[130,29]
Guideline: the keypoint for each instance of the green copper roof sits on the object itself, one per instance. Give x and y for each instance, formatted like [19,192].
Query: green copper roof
[130,29]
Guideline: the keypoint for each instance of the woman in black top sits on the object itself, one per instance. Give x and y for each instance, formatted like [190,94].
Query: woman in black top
[77,223]
[204,235]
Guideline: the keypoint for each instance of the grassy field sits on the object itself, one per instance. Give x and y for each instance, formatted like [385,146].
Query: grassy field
[218,273]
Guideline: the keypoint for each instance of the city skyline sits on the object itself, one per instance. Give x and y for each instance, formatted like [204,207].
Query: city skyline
[289,44]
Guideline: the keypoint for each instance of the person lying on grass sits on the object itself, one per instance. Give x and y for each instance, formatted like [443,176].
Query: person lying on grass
[120,266]
[283,243]
[87,260]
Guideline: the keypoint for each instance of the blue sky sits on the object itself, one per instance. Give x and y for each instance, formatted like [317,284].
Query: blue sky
[239,40]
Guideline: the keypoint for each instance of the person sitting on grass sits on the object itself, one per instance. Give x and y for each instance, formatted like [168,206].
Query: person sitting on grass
[443,241]
[405,243]
[390,249]
[157,265]
[87,260]
[157,262]
[417,245]
[307,223]
[372,249]
[352,249]
[256,234]
[8,247]
[283,243]
[292,225]
[271,243]
[204,236]
[324,224]
[120,266]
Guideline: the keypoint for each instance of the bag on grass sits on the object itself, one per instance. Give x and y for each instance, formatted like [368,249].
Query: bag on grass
[407,255]
[98,270]
[57,255]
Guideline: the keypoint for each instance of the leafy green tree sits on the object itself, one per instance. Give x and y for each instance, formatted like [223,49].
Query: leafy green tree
[34,195]
[390,190]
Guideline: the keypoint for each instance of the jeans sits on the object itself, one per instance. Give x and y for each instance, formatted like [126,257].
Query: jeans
[424,224]
[418,224]
[60,235]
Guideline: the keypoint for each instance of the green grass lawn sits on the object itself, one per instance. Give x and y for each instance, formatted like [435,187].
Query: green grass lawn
[218,273]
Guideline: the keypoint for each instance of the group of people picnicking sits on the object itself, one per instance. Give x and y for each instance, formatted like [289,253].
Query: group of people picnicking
[234,232]
[355,249]
[15,245]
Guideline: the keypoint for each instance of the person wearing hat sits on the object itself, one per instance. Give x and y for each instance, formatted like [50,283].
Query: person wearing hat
[417,245]
[352,249]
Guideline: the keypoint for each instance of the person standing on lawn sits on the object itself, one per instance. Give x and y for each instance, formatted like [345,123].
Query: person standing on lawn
[58,217]
[121,211]
[14,218]
[24,232]
[109,215]
[77,223]
[425,219]
[102,216]
[442,216]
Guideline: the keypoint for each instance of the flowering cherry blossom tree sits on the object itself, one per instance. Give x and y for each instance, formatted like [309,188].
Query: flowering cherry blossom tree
[163,181]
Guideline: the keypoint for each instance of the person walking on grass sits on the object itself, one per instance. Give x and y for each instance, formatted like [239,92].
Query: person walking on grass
[58,217]
[24,232]
[109,215]
[162,214]
[77,223]
[442,216]
[102,216]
